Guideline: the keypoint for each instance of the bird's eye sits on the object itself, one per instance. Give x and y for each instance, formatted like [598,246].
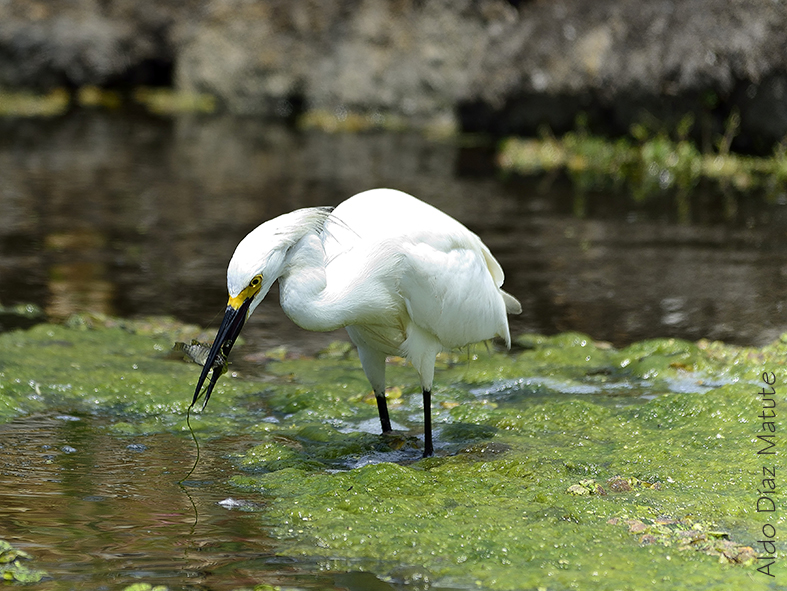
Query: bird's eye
[256,281]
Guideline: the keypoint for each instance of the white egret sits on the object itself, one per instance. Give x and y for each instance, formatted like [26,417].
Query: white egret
[402,277]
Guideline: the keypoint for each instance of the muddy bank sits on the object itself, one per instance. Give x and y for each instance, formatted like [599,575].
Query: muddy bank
[508,67]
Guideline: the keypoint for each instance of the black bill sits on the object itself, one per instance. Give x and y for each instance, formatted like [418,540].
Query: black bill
[217,356]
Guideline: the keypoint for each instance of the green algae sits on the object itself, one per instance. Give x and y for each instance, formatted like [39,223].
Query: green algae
[13,569]
[109,367]
[499,524]
[20,316]
[563,410]
[666,428]
[145,587]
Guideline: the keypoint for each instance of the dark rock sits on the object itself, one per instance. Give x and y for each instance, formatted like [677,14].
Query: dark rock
[508,67]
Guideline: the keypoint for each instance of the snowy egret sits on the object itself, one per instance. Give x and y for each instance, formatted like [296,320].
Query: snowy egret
[402,277]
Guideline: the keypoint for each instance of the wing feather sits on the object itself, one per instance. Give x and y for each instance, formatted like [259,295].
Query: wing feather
[447,279]
[452,293]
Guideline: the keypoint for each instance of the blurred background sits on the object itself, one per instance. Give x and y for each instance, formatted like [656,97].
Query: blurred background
[625,161]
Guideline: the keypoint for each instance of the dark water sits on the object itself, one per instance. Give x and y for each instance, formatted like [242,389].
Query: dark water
[133,215]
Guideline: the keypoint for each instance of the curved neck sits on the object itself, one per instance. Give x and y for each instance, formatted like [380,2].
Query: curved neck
[303,288]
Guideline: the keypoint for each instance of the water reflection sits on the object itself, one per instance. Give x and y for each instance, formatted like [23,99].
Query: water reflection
[95,511]
[134,215]
[78,279]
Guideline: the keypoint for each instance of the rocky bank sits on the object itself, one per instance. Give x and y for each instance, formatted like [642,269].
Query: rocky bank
[492,65]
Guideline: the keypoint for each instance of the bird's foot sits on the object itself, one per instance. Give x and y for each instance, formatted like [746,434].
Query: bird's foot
[397,441]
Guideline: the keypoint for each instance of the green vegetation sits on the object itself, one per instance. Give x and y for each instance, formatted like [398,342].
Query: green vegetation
[344,120]
[13,569]
[565,464]
[29,104]
[160,101]
[144,587]
[106,366]
[646,163]
[165,101]
[502,509]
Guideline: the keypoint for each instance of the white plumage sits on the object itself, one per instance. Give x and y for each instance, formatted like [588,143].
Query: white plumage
[401,276]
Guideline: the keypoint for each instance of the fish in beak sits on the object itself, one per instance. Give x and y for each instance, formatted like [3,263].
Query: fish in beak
[231,325]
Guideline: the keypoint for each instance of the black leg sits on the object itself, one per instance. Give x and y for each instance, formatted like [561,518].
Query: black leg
[382,408]
[428,449]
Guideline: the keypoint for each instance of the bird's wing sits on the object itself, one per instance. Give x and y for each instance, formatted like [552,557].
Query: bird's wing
[383,240]
[451,290]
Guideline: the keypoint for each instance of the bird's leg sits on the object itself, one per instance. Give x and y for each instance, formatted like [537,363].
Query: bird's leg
[428,449]
[382,408]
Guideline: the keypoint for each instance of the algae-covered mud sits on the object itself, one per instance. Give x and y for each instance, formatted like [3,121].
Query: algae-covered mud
[563,464]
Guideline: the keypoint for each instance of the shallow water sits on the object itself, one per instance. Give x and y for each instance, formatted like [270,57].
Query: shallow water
[99,511]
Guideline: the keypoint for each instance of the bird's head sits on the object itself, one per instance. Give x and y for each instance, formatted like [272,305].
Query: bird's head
[259,260]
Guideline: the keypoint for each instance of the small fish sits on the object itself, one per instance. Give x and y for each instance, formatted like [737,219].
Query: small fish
[198,353]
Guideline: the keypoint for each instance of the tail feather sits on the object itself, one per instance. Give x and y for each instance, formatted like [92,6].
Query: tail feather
[512,304]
